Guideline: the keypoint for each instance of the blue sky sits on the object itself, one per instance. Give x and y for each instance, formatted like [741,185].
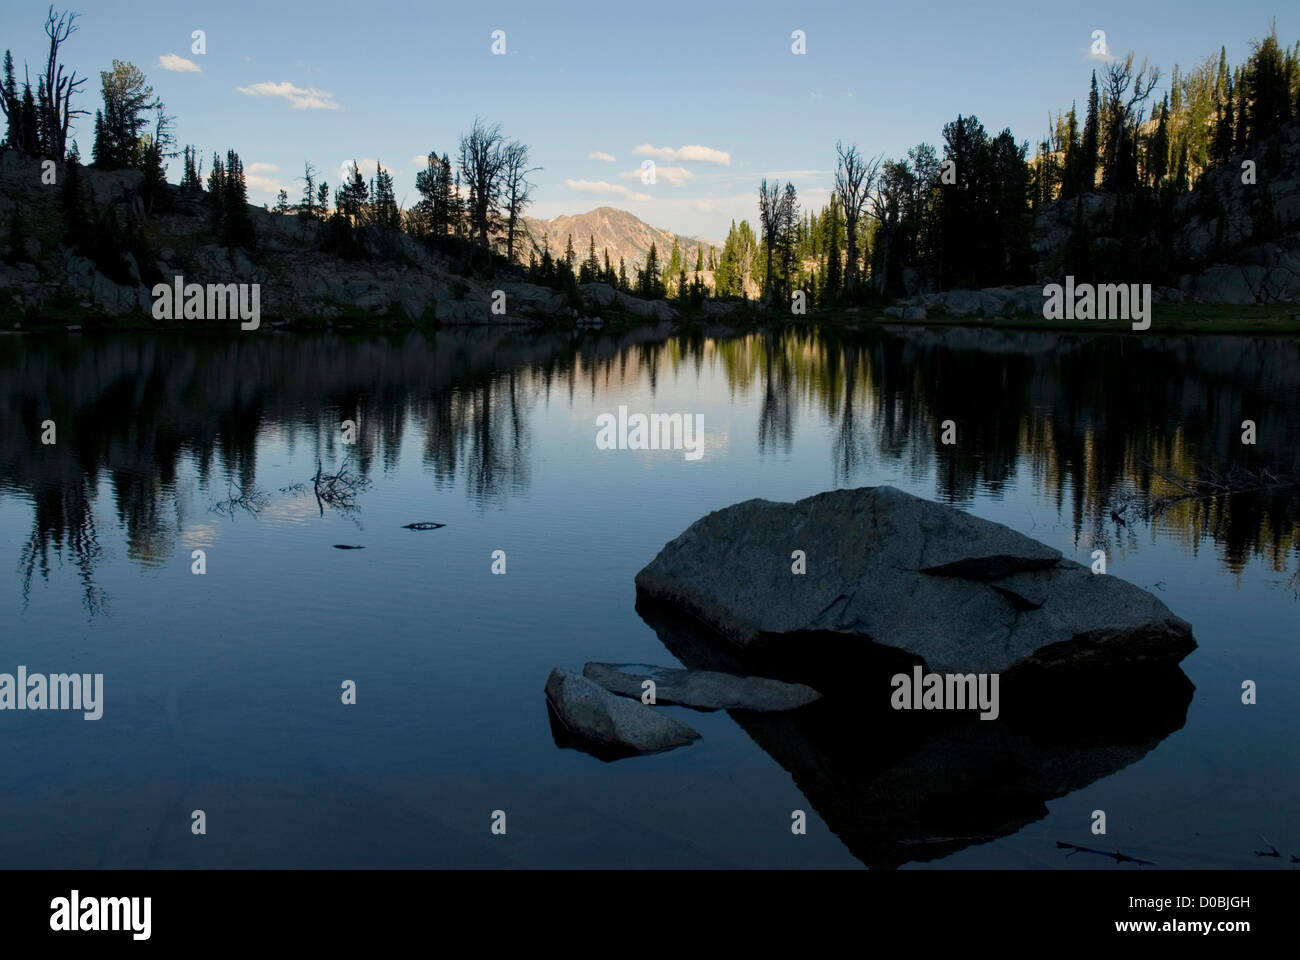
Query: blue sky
[330,81]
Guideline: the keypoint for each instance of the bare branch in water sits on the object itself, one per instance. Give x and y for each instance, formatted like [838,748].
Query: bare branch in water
[338,490]
[1116,856]
[1214,483]
[251,501]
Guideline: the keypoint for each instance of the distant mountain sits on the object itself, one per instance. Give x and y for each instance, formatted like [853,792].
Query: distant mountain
[623,234]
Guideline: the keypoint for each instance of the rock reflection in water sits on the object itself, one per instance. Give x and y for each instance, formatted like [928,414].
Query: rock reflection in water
[902,786]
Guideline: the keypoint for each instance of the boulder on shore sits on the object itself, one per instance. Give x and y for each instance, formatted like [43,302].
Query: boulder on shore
[701,689]
[889,569]
[592,713]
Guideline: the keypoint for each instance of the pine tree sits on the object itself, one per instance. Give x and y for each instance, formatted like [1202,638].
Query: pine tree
[99,145]
[651,284]
[353,197]
[832,226]
[154,191]
[1241,138]
[190,182]
[217,194]
[1087,166]
[12,105]
[622,276]
[1158,150]
[127,99]
[673,267]
[1221,149]
[72,204]
[237,225]
[31,123]
[386,213]
[589,272]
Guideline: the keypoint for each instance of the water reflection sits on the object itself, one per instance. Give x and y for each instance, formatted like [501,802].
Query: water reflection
[1098,423]
[900,787]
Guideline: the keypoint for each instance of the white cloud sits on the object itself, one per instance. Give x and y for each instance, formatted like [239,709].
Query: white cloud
[1099,49]
[606,189]
[704,206]
[259,177]
[169,61]
[299,98]
[366,165]
[673,176]
[602,157]
[693,152]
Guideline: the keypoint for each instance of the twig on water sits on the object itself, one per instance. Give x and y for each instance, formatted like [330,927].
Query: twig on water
[1116,856]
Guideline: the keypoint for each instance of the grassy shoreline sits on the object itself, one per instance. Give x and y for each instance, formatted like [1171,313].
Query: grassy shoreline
[1275,319]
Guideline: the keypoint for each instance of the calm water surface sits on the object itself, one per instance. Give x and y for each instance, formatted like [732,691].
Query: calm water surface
[223,690]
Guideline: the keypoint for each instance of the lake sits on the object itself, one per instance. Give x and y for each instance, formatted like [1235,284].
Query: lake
[222,690]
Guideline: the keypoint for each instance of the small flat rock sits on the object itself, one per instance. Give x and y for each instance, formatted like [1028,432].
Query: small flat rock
[701,689]
[590,711]
[422,526]
[347,546]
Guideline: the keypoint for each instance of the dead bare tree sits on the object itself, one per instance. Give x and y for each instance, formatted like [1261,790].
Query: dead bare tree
[771,219]
[1123,95]
[56,89]
[481,161]
[518,190]
[855,180]
[891,188]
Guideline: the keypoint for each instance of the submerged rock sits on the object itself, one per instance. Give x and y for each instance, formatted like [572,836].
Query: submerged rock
[701,689]
[889,569]
[423,526]
[348,546]
[590,711]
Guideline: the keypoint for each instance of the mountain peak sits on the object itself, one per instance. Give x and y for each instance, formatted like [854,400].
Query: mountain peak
[618,231]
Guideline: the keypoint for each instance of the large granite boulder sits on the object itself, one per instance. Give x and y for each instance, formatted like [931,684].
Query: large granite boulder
[892,571]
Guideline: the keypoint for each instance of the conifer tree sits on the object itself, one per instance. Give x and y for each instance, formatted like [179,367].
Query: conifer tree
[651,284]
[1158,150]
[307,208]
[385,210]
[217,193]
[237,225]
[72,204]
[1087,167]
